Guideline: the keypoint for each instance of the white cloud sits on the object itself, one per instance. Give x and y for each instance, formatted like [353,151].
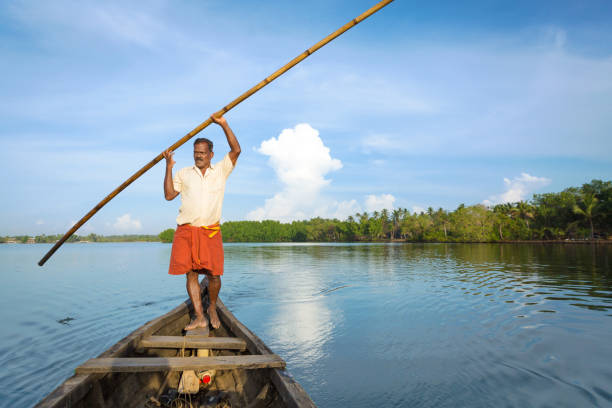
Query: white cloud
[300,158]
[125,223]
[96,20]
[498,96]
[40,222]
[377,203]
[300,161]
[518,189]
[345,208]
[397,144]
[349,89]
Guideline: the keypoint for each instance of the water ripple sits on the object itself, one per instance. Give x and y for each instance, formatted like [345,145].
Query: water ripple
[360,325]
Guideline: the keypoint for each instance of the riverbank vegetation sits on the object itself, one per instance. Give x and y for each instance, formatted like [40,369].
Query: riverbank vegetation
[576,213]
[49,239]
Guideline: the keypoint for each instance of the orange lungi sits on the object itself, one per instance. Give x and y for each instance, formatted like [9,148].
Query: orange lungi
[198,249]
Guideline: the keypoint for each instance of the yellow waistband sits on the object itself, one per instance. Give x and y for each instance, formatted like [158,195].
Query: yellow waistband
[214,228]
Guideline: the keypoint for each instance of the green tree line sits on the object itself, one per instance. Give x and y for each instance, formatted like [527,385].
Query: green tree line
[49,239]
[575,213]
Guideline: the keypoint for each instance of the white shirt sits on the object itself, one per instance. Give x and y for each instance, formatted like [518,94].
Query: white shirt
[202,195]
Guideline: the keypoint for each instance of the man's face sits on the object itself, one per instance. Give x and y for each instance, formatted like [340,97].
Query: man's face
[202,155]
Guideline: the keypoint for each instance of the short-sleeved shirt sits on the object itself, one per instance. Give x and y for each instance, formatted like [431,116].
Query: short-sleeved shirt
[202,195]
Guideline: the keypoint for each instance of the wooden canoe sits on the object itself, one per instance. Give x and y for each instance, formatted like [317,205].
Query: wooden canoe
[144,369]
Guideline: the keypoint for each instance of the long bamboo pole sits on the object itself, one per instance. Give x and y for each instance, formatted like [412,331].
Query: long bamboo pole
[208,121]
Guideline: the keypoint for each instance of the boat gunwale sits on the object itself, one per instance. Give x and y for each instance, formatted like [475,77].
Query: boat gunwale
[76,387]
[291,392]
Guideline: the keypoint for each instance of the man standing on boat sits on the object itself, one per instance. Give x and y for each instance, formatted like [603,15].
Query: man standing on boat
[197,247]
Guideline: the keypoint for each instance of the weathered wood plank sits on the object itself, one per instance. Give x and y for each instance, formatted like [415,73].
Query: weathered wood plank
[73,389]
[219,343]
[291,392]
[68,393]
[200,331]
[147,364]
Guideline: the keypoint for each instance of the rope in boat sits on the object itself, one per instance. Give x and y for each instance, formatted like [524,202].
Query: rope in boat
[183,351]
[172,401]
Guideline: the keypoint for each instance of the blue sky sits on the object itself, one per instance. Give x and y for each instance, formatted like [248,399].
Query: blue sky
[421,105]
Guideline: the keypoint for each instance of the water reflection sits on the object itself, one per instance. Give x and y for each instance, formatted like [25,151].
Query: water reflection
[359,325]
[301,331]
[441,324]
[538,274]
[302,322]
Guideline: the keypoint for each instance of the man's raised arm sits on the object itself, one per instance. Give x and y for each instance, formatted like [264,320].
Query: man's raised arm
[231,138]
[169,192]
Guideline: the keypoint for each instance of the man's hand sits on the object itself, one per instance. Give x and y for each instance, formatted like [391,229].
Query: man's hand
[231,138]
[168,156]
[169,192]
[219,120]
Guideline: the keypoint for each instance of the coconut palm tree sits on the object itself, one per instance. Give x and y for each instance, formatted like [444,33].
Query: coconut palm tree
[590,202]
[395,217]
[384,219]
[442,219]
[504,212]
[524,212]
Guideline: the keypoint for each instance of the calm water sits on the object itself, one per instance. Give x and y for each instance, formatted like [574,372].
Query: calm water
[429,325]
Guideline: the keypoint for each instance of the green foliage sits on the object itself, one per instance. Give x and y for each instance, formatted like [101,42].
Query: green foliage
[568,214]
[167,236]
[50,239]
[574,213]
[589,204]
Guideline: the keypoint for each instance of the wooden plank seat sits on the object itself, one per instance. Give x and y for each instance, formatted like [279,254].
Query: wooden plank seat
[199,342]
[149,364]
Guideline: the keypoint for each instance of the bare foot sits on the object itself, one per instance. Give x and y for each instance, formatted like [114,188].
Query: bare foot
[197,322]
[214,318]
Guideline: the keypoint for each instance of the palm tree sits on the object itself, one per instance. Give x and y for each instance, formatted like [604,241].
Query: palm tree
[405,218]
[384,218]
[503,211]
[524,212]
[442,218]
[395,216]
[364,221]
[590,202]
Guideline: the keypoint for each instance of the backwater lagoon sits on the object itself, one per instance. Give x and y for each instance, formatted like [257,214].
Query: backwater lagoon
[359,325]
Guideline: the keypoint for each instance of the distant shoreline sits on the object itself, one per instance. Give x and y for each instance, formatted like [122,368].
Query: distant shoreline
[576,215]
[396,241]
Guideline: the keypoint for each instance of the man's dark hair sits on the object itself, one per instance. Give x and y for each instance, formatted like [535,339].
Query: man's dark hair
[204,140]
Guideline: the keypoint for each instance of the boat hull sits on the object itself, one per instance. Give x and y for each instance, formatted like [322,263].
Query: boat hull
[271,387]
